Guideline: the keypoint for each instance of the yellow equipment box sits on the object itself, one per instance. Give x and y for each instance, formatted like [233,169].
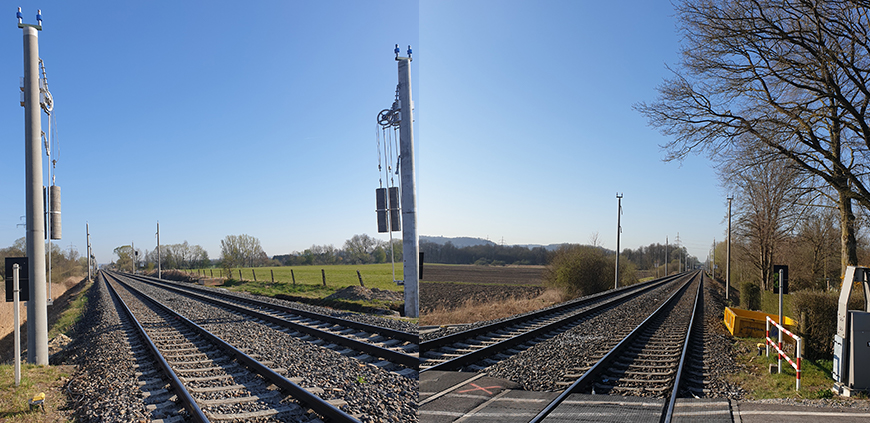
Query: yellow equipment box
[751,324]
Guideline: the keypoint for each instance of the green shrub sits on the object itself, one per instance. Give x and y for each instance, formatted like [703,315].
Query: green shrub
[580,270]
[627,272]
[750,296]
[817,314]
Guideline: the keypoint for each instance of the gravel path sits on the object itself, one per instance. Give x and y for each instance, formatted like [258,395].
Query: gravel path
[719,345]
[104,387]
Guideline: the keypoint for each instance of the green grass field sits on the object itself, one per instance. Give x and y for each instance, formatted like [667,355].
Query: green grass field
[816,380]
[309,279]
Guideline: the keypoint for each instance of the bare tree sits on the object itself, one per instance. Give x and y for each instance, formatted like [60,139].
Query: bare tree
[790,75]
[360,247]
[766,193]
[240,250]
[815,242]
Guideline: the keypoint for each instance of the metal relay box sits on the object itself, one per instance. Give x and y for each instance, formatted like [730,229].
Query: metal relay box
[859,350]
[852,342]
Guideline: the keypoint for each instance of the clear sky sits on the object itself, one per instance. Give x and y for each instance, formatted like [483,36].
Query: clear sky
[224,118]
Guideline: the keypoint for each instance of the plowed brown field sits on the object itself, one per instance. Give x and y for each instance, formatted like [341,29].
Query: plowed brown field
[452,286]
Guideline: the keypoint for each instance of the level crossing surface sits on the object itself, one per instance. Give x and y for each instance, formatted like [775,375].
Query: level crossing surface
[468,397]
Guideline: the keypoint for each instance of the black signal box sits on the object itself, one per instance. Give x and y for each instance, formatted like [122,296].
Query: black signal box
[776,281]
[23,279]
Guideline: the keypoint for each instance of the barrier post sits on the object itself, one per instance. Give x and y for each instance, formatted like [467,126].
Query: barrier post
[796,363]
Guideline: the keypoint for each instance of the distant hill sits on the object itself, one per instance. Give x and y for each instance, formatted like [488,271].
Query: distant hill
[549,247]
[458,242]
[465,241]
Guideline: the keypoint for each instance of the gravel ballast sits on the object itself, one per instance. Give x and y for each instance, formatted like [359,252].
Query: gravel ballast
[106,388]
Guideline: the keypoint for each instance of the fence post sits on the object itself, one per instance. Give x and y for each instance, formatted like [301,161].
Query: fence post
[253,272]
[799,353]
[240,275]
[360,279]
[293,276]
[211,272]
[272,271]
[323,273]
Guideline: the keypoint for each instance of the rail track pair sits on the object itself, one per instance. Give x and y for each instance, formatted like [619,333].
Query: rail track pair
[646,360]
[213,380]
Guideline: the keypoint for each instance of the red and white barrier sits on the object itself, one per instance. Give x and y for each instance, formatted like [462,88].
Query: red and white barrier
[780,353]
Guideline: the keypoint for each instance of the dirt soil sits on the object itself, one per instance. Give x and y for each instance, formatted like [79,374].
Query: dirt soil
[451,286]
[362,293]
[449,296]
[61,293]
[504,275]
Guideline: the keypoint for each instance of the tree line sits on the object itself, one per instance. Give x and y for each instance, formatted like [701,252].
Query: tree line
[64,262]
[359,249]
[655,255]
[246,251]
[172,256]
[483,254]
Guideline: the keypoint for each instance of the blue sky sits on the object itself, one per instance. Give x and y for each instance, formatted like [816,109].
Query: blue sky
[219,119]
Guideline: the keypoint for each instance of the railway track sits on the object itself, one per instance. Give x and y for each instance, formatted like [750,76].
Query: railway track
[211,379]
[649,360]
[382,347]
[483,346]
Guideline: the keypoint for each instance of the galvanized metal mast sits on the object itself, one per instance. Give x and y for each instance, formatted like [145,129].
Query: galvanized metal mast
[158,249]
[728,253]
[88,233]
[410,239]
[618,233]
[37,308]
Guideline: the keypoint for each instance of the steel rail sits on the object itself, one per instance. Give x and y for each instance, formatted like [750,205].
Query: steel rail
[471,333]
[595,371]
[391,333]
[406,360]
[670,404]
[317,404]
[477,355]
[187,400]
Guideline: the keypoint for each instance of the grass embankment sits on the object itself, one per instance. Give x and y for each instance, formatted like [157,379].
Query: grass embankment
[34,379]
[816,379]
[50,380]
[309,282]
[309,279]
[72,314]
[476,311]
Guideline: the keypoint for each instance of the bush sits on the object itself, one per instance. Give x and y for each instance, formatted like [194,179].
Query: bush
[817,314]
[175,275]
[750,296]
[627,272]
[579,270]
